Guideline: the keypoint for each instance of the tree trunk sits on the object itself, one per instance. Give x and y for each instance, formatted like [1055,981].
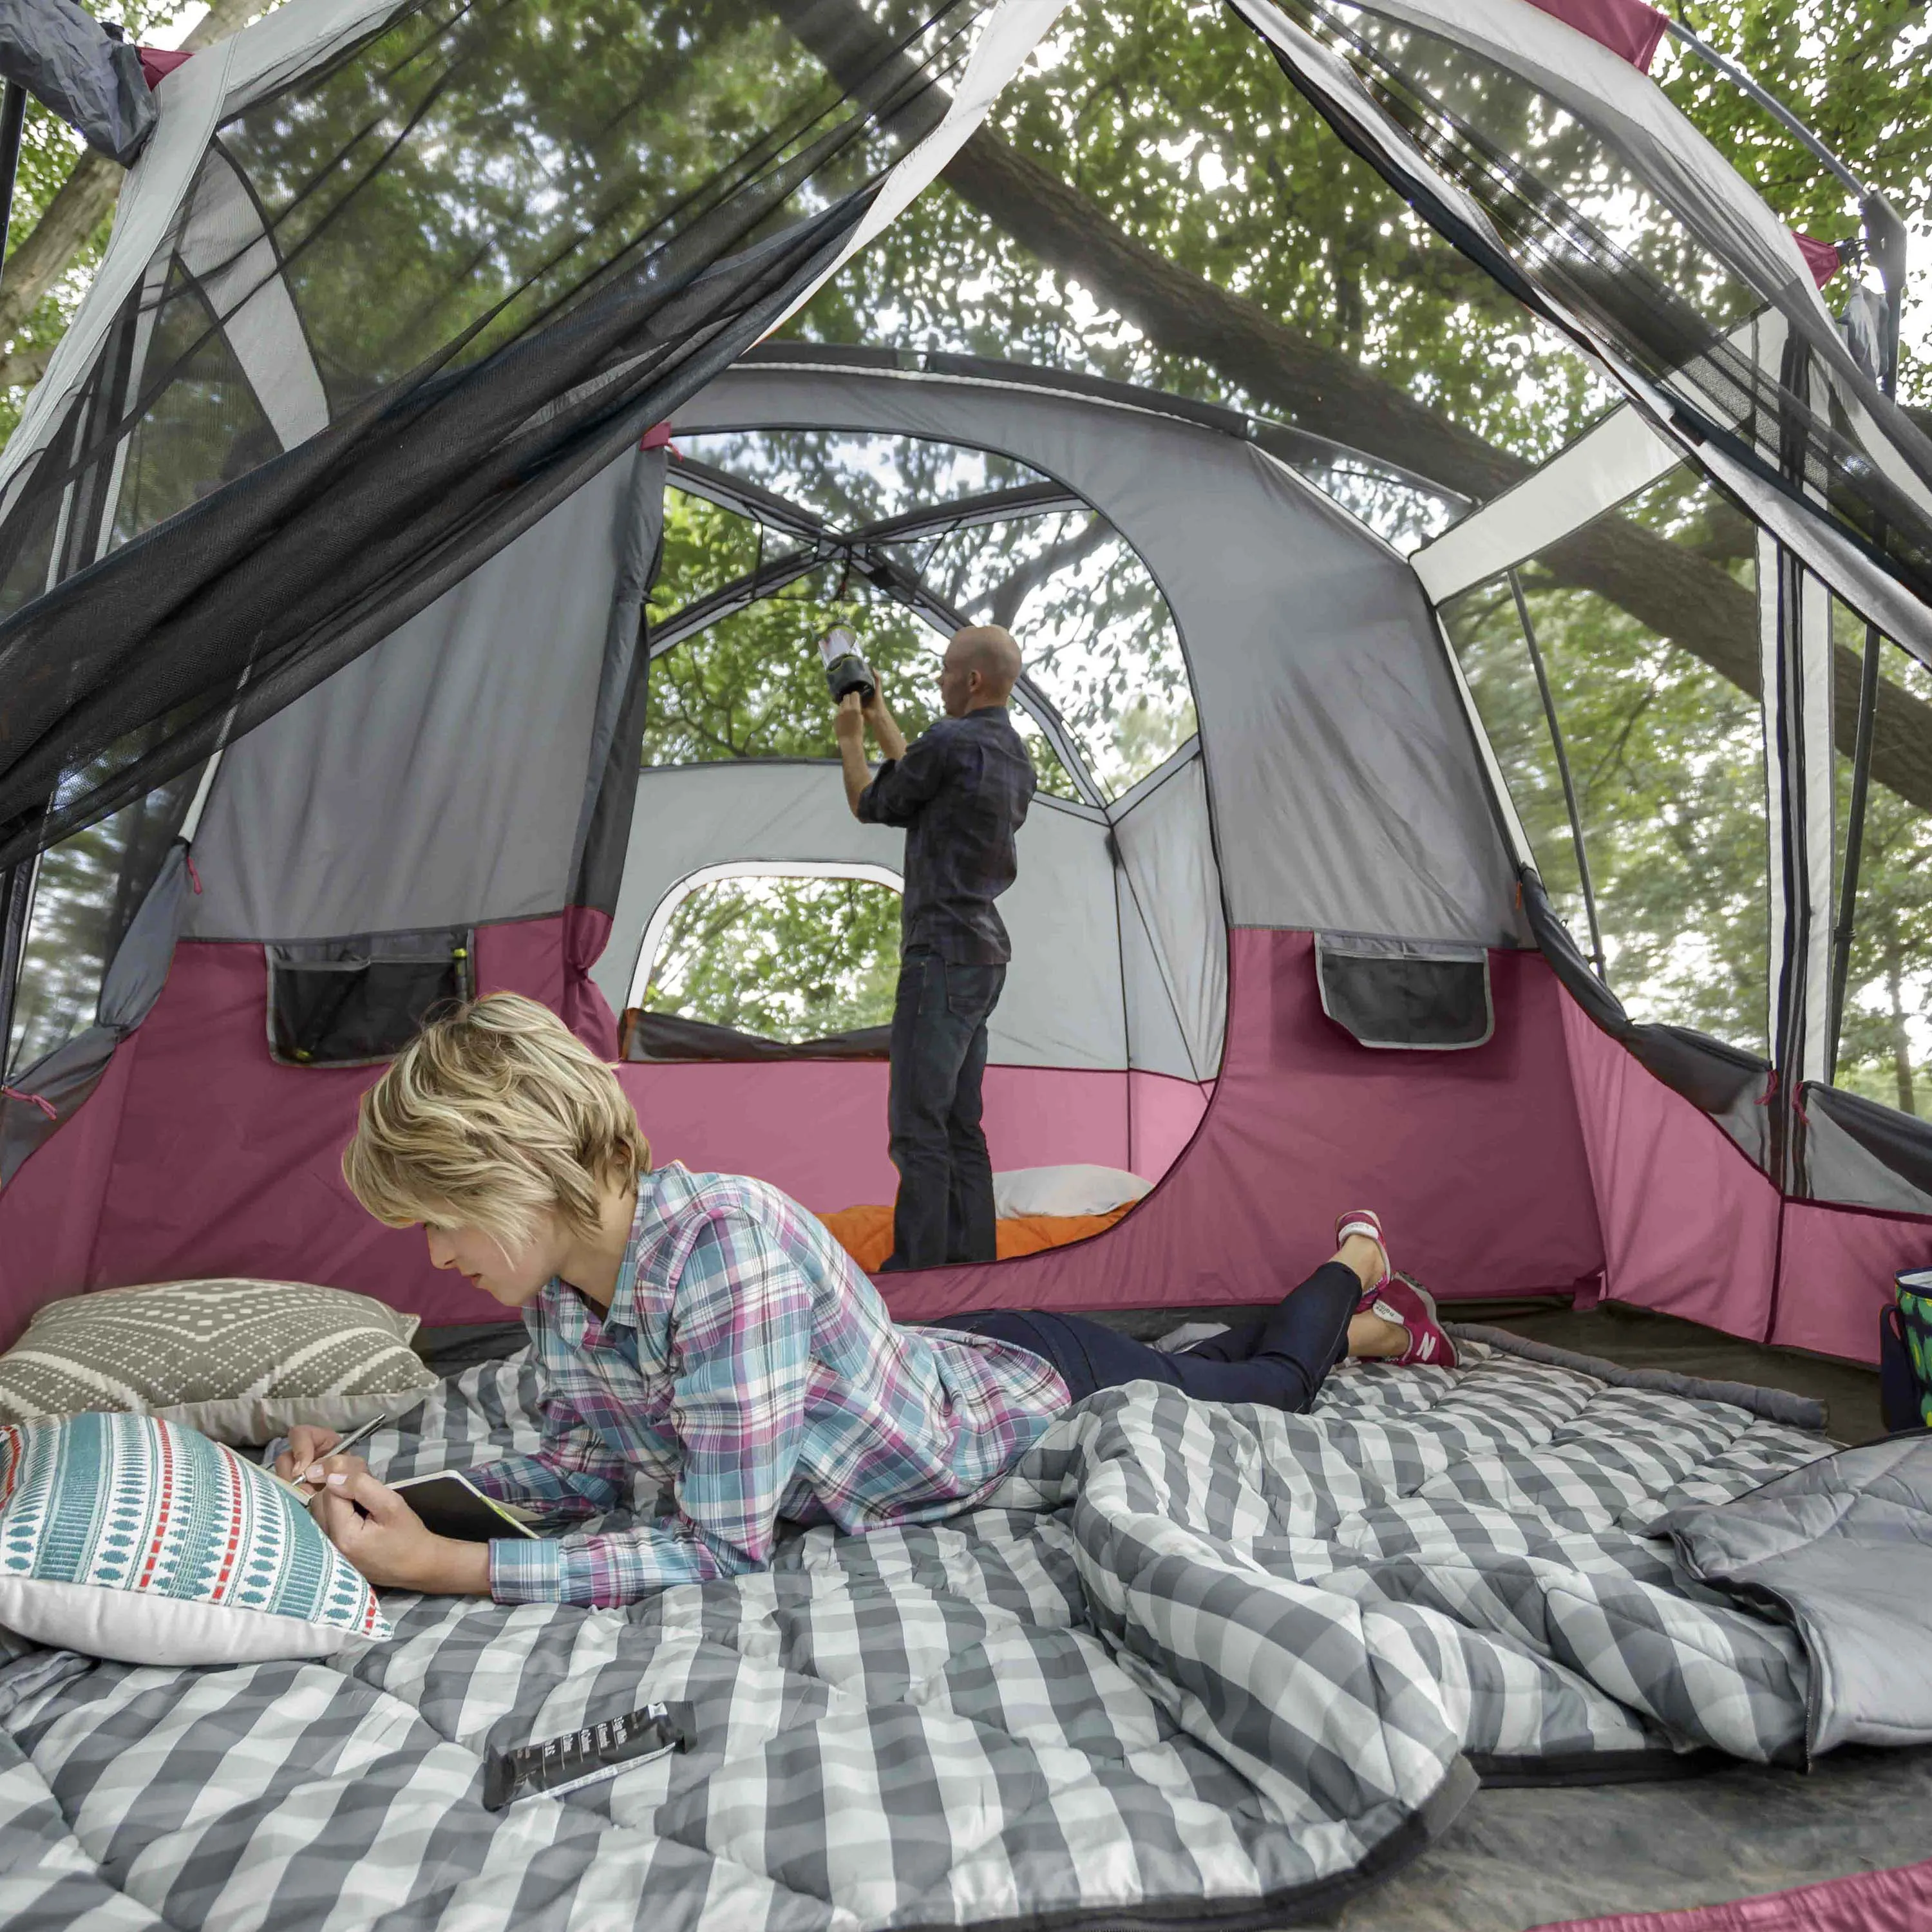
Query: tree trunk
[1671,590]
[80,205]
[1901,1040]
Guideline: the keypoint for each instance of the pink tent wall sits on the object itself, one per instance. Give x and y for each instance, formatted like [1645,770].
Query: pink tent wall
[199,1155]
[1476,1159]
[1690,1223]
[1692,1227]
[1545,1158]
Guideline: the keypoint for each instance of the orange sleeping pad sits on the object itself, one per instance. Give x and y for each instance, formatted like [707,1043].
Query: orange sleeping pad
[866,1233]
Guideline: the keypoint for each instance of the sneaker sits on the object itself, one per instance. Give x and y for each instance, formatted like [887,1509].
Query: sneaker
[1408,1303]
[1365,1221]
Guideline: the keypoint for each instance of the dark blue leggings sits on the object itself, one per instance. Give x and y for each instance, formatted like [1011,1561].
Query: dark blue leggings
[1279,1362]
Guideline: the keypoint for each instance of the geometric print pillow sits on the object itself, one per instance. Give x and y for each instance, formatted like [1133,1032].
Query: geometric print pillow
[240,1360]
[124,1536]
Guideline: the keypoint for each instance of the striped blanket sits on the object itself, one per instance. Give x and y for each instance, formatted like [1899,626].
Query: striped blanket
[1187,1659]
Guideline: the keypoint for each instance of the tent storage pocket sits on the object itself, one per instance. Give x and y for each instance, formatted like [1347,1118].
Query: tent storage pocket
[1405,993]
[356,1002]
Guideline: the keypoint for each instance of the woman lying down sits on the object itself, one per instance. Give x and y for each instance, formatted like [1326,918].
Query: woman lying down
[705,1331]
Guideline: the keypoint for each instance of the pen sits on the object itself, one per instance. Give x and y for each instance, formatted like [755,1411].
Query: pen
[354,1436]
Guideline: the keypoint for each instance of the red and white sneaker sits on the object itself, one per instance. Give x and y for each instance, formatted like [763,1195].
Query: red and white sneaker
[1365,1221]
[1408,1303]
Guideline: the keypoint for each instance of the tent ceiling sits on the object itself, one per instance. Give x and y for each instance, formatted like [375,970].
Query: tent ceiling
[1308,642]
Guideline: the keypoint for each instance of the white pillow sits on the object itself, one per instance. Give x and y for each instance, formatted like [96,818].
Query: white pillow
[125,1537]
[238,1359]
[1078,1189]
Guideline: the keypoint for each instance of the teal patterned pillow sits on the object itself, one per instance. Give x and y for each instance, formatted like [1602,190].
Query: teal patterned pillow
[127,1537]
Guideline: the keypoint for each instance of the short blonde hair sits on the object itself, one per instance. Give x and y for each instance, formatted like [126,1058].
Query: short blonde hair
[494,1118]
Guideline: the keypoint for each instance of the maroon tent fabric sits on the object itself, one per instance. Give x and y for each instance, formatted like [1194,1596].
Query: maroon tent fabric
[158,63]
[1899,1900]
[1821,258]
[1626,27]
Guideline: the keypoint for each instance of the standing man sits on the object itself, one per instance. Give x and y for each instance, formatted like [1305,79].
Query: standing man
[961,793]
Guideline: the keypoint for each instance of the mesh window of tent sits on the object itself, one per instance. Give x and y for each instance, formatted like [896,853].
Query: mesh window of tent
[577,230]
[770,537]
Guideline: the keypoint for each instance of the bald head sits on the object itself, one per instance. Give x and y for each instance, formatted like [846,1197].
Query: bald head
[982,664]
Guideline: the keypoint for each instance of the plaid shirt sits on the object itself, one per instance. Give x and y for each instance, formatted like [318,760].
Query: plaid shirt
[747,1365]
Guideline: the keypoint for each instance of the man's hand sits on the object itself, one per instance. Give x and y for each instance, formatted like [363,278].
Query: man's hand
[391,1545]
[848,721]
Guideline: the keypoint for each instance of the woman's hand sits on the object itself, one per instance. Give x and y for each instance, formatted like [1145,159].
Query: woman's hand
[306,1460]
[386,1541]
[308,1445]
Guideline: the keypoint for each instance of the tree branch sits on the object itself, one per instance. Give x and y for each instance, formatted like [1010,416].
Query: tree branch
[1695,603]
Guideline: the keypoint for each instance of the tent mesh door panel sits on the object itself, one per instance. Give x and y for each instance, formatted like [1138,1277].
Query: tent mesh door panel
[1664,731]
[1884,1045]
[460,271]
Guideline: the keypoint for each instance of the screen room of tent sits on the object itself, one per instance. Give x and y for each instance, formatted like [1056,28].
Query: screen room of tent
[753,902]
[1262,755]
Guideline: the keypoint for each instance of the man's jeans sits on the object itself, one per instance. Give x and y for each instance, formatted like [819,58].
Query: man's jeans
[945,1208]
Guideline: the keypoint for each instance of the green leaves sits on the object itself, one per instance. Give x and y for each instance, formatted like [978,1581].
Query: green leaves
[789,959]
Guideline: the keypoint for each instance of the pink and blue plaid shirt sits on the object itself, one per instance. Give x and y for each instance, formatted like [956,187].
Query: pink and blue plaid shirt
[747,1365]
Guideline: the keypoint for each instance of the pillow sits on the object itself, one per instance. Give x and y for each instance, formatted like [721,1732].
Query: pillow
[123,1536]
[1079,1189]
[242,1361]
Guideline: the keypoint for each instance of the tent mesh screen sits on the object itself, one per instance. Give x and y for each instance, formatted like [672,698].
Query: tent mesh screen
[412,302]
[1662,726]
[1884,1046]
[772,536]
[1758,363]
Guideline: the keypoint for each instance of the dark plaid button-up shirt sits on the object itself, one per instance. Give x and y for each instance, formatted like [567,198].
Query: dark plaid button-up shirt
[961,792]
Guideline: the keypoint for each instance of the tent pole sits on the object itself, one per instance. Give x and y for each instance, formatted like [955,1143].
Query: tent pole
[16,899]
[1855,835]
[1563,771]
[1891,267]
[13,119]
[1770,103]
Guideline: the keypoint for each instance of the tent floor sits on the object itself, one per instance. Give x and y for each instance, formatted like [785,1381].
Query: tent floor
[1519,1858]
[1515,1859]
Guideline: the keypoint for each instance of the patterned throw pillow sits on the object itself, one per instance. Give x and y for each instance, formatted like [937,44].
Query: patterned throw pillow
[242,1361]
[124,1536]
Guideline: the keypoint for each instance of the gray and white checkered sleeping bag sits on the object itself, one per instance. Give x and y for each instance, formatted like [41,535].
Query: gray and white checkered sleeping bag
[1185,1654]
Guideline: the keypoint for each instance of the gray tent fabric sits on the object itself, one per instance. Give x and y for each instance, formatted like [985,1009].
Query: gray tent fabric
[1170,894]
[69,63]
[1305,638]
[1842,1548]
[439,780]
[229,250]
[1061,1006]
[609,791]
[1838,1168]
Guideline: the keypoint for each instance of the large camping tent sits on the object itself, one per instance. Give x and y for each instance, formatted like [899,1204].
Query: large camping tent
[409,565]
[332,646]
